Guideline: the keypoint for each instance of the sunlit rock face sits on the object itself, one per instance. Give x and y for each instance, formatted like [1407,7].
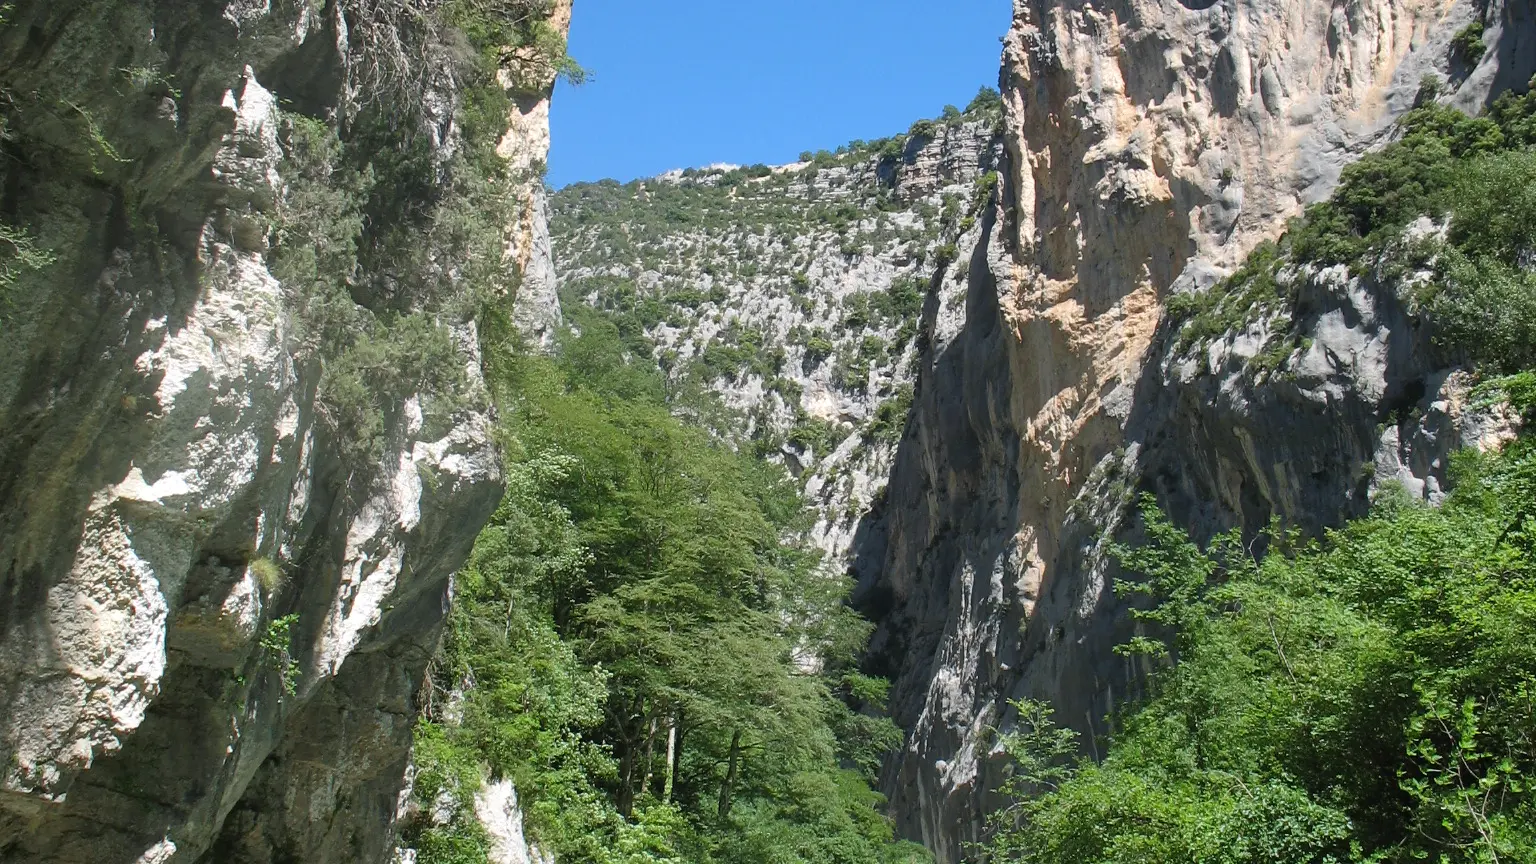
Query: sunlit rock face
[212,627]
[1150,146]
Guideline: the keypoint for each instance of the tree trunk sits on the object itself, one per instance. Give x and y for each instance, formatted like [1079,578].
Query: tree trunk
[626,745]
[677,762]
[730,774]
[626,781]
[650,750]
[666,781]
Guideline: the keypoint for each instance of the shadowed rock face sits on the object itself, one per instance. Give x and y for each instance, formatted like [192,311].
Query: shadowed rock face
[169,487]
[1150,146]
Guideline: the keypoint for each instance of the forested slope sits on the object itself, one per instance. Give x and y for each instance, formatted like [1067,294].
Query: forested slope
[794,292]
[644,645]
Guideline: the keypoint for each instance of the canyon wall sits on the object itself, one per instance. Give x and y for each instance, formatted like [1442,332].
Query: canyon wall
[226,533]
[1150,147]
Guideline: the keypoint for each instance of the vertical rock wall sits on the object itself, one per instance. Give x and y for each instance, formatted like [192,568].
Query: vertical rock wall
[212,627]
[1151,145]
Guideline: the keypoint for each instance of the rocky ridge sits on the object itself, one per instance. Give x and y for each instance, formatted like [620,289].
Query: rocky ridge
[792,291]
[227,543]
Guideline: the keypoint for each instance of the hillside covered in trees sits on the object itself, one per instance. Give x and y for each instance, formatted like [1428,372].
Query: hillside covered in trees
[644,645]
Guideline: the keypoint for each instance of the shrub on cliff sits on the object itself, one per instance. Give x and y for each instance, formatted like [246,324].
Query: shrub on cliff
[1369,697]
[1478,173]
[1484,296]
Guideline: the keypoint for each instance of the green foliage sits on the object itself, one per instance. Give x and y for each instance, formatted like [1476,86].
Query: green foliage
[372,378]
[1245,295]
[983,192]
[902,301]
[276,644]
[1478,171]
[738,351]
[445,770]
[19,255]
[347,209]
[987,101]
[890,419]
[269,574]
[1467,45]
[517,35]
[1518,391]
[851,374]
[1370,698]
[1485,298]
[815,434]
[1411,177]
[817,349]
[630,641]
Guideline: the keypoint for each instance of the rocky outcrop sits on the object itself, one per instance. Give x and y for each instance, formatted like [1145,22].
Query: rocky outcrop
[497,809]
[525,146]
[1150,146]
[220,577]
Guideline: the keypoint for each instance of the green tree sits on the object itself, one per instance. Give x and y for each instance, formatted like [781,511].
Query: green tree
[1367,698]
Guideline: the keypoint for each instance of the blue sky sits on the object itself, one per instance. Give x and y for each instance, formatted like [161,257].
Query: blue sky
[680,83]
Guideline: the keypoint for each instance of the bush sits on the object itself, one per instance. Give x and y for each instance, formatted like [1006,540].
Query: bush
[1484,296]
[817,349]
[1230,304]
[19,255]
[1467,45]
[902,300]
[890,418]
[987,100]
[1365,700]
[815,435]
[368,383]
[1477,170]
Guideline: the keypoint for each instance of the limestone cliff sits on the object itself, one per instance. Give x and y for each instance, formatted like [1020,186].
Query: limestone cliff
[1150,147]
[242,416]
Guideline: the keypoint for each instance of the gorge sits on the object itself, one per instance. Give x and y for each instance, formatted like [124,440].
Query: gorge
[364,498]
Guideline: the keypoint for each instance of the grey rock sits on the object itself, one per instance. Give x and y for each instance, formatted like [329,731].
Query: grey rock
[169,488]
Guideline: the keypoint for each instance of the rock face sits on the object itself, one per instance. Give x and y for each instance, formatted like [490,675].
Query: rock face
[1150,147]
[793,292]
[214,614]
[497,809]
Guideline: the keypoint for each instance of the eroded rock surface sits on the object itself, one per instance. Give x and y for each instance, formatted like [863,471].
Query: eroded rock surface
[212,623]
